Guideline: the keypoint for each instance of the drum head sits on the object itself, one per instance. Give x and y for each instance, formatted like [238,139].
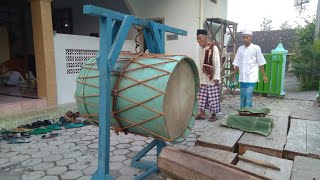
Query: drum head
[179,99]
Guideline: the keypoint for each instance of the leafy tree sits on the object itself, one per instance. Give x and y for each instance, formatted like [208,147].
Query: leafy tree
[300,4]
[285,25]
[306,61]
[266,25]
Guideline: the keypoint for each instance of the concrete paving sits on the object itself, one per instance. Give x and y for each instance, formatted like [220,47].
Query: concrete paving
[291,87]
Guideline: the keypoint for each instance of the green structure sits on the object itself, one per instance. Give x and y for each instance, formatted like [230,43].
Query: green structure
[274,72]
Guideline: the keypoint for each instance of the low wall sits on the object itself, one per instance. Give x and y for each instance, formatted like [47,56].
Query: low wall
[71,51]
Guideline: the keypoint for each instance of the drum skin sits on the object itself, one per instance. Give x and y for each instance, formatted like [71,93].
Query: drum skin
[153,95]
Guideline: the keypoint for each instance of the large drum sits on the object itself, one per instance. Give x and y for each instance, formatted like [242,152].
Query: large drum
[152,95]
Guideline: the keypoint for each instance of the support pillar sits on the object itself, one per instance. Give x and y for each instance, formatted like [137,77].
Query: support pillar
[44,50]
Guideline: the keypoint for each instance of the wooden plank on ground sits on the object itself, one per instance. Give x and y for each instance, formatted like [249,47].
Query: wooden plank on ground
[271,145]
[305,168]
[218,137]
[217,154]
[286,109]
[308,113]
[285,166]
[303,139]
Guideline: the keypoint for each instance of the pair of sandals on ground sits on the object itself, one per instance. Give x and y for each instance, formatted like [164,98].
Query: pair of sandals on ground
[15,136]
[203,116]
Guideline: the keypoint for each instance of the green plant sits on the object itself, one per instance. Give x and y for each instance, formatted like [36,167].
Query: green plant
[306,61]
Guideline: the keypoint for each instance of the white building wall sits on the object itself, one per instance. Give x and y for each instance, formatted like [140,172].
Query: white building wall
[82,46]
[183,14]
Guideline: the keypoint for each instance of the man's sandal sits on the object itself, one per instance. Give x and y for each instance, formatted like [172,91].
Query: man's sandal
[212,118]
[200,117]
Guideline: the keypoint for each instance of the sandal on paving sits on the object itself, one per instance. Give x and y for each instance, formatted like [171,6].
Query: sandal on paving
[47,122]
[20,130]
[41,131]
[18,141]
[54,127]
[200,117]
[25,134]
[69,114]
[212,118]
[74,125]
[36,124]
[5,131]
[49,135]
[61,122]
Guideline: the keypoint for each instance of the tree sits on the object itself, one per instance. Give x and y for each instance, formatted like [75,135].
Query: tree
[300,5]
[285,25]
[316,35]
[266,25]
[317,32]
[306,61]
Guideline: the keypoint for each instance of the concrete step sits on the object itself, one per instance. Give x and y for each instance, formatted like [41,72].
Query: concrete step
[12,105]
[10,121]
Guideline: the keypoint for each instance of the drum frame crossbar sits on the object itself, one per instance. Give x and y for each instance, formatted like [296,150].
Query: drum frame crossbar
[114,29]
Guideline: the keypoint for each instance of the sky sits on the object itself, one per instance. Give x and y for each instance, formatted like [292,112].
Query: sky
[250,13]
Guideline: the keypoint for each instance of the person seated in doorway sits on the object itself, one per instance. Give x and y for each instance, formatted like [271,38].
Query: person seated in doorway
[14,78]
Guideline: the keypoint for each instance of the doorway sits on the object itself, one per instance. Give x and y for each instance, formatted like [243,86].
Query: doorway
[17,60]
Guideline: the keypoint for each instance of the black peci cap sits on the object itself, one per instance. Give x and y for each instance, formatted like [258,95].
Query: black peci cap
[202,31]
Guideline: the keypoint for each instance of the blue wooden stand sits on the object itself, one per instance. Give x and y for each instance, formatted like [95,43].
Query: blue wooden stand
[150,167]
[114,28]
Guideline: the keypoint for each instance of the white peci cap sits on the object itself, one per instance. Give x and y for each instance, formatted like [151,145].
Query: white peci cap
[247,32]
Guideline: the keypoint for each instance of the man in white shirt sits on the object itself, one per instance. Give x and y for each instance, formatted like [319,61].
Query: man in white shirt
[248,61]
[208,65]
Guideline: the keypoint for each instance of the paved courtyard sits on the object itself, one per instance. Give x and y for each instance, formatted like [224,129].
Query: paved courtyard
[73,155]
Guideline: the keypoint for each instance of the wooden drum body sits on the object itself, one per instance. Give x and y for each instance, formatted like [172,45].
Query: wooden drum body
[152,95]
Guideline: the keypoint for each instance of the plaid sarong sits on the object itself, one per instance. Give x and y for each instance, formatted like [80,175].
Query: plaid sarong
[209,98]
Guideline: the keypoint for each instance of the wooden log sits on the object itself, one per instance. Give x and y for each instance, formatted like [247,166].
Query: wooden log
[184,165]
[271,145]
[215,154]
[303,139]
[258,162]
[305,168]
[284,165]
[219,137]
